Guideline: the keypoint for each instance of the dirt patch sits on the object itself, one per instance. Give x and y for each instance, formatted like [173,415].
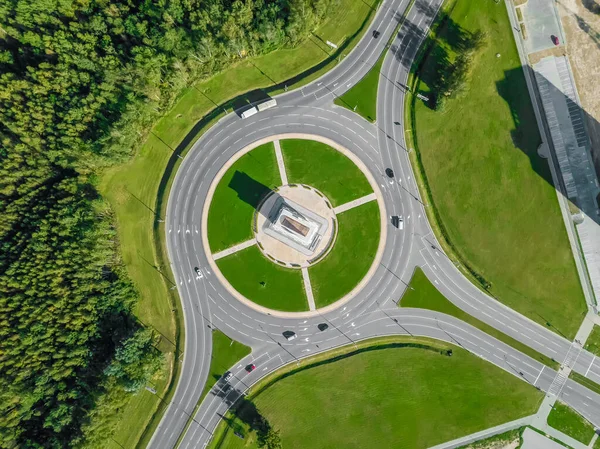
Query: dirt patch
[534,58]
[512,444]
[581,22]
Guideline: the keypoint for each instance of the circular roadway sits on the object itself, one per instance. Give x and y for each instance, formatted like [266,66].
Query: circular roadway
[372,312]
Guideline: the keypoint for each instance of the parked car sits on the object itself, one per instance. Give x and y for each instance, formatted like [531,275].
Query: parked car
[555,40]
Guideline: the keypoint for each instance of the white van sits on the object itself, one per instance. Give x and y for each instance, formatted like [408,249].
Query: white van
[249,112]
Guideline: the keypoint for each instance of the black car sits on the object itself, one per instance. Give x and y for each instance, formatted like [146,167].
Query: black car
[389,172]
[323,327]
[376,34]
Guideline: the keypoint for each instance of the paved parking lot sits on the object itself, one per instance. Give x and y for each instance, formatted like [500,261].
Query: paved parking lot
[541,22]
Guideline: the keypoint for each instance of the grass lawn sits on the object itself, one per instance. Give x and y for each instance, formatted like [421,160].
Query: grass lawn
[568,421]
[407,395]
[490,190]
[237,195]
[322,167]
[283,288]
[363,95]
[351,257]
[426,296]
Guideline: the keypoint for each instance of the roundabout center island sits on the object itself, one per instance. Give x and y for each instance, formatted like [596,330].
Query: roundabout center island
[293,225]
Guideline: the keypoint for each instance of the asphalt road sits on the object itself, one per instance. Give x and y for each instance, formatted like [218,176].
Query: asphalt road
[372,312]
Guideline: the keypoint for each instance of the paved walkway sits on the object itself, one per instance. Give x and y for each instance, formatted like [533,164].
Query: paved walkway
[308,290]
[280,164]
[234,249]
[487,433]
[355,203]
[535,440]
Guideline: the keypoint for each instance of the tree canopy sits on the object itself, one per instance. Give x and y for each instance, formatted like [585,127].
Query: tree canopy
[81,83]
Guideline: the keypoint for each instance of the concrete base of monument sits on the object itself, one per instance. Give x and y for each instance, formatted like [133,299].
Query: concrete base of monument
[295,226]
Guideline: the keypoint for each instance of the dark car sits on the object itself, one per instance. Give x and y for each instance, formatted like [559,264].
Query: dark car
[250,367]
[323,327]
[289,335]
[376,34]
[389,172]
[555,40]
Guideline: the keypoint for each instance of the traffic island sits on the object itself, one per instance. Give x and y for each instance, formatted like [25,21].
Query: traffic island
[265,229]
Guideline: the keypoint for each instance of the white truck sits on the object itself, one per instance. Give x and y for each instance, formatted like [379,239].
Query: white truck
[249,112]
[267,104]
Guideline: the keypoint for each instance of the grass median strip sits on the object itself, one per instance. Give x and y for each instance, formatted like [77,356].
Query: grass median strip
[587,383]
[488,188]
[571,423]
[320,166]
[394,392]
[362,97]
[349,261]
[424,295]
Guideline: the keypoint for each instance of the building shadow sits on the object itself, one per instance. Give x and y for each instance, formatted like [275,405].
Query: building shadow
[249,190]
[570,151]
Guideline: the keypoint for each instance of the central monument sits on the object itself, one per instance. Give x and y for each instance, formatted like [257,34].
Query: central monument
[295,225]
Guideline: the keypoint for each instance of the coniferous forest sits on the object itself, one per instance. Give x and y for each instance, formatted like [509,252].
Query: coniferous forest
[81,83]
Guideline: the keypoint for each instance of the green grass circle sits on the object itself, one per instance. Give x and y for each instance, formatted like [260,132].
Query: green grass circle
[232,209]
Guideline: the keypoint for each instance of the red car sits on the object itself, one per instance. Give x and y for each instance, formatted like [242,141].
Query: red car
[251,367]
[555,40]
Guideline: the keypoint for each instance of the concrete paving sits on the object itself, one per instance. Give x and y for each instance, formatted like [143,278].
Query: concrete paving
[355,203]
[535,440]
[280,163]
[541,22]
[308,289]
[234,249]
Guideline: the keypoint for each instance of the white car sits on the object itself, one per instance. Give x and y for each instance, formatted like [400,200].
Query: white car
[199,274]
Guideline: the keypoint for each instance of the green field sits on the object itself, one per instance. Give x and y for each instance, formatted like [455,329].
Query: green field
[568,421]
[403,396]
[282,288]
[237,195]
[491,193]
[320,166]
[351,257]
[424,295]
[362,97]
